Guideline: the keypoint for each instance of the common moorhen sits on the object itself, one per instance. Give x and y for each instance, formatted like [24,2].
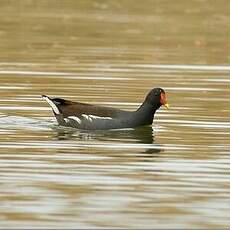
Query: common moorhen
[93,117]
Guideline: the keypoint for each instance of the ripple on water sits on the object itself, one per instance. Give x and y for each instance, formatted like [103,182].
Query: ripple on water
[179,166]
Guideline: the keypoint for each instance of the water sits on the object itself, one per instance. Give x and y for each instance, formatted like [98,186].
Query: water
[174,174]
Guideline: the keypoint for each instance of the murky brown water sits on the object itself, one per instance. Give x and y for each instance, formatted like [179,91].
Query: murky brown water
[174,175]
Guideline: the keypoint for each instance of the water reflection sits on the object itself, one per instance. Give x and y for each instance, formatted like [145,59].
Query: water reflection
[142,135]
[125,138]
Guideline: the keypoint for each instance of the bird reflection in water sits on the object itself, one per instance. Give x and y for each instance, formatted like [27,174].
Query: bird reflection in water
[139,136]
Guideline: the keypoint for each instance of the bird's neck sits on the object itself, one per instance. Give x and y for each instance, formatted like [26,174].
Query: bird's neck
[146,113]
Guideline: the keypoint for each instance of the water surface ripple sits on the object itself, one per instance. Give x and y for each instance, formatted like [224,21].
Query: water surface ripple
[172,175]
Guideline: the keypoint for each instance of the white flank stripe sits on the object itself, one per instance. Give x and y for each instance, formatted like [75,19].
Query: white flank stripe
[77,119]
[54,107]
[95,117]
[87,117]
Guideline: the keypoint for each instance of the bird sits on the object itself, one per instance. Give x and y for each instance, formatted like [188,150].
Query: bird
[95,117]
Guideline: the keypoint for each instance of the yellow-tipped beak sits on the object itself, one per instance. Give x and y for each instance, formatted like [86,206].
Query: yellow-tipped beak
[166,105]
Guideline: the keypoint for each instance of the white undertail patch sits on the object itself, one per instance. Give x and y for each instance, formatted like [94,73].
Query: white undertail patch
[53,106]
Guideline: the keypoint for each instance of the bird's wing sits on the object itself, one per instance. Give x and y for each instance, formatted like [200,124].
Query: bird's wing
[69,108]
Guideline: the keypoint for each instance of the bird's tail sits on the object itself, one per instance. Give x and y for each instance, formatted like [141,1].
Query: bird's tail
[52,103]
